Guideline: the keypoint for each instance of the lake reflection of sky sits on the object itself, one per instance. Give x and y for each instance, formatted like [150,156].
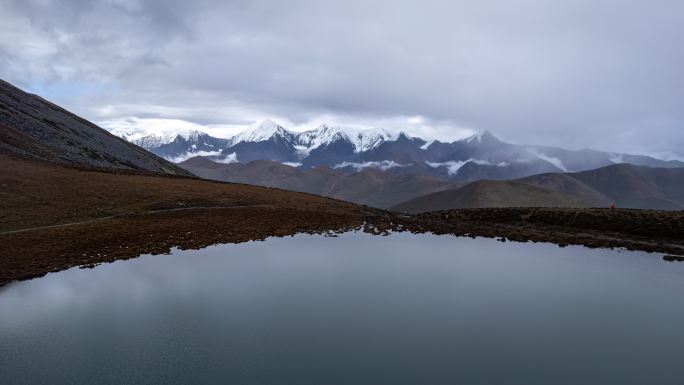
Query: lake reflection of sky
[358,309]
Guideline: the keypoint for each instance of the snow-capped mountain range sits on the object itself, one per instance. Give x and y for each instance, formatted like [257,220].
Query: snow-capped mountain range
[306,141]
[481,156]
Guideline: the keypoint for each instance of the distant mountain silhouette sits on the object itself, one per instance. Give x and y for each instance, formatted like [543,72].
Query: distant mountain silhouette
[481,156]
[489,193]
[638,186]
[624,185]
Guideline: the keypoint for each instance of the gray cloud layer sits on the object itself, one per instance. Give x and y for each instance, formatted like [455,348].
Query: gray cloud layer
[575,73]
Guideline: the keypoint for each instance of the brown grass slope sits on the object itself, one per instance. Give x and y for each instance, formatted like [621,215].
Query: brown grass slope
[54,216]
[32,127]
[488,193]
[35,193]
[368,187]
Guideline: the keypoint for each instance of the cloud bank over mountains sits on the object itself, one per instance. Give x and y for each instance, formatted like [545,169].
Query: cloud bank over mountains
[600,74]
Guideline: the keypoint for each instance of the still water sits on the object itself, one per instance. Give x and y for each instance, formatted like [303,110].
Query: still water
[357,309]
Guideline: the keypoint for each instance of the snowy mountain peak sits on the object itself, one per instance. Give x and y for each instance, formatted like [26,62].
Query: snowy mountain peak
[368,139]
[152,141]
[262,131]
[480,137]
[267,126]
[326,131]
[403,135]
[321,136]
[156,140]
[362,140]
[324,134]
[191,135]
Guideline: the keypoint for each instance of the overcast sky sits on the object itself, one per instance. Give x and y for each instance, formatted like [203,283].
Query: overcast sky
[574,73]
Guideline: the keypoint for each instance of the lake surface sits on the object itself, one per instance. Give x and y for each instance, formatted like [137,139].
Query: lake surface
[357,309]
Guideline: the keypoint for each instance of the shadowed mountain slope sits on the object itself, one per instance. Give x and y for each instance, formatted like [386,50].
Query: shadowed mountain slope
[566,184]
[32,127]
[638,186]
